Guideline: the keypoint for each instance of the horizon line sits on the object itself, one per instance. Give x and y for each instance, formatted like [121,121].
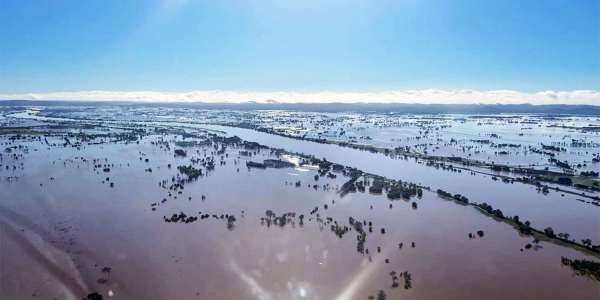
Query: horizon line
[408,96]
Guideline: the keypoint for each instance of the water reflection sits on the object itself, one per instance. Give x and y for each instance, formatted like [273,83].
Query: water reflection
[348,246]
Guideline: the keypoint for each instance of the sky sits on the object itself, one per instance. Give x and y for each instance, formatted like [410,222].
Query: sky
[302,51]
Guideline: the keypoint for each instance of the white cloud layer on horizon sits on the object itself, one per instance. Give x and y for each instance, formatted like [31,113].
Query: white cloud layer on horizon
[430,96]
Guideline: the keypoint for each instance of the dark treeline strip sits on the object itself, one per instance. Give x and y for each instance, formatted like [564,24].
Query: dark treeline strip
[401,108]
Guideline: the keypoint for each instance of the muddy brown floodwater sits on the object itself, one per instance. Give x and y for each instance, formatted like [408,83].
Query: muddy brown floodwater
[66,233]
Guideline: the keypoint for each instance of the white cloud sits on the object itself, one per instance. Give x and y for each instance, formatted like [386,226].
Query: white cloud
[465,96]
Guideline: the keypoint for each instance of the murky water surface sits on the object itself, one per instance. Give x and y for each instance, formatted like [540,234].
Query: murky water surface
[70,227]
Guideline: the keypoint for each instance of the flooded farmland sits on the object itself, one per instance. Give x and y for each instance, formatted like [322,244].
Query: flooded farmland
[167,203]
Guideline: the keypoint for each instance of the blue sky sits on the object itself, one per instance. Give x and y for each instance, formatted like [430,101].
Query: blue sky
[303,46]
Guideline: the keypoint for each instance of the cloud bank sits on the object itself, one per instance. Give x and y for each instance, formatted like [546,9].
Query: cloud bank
[429,96]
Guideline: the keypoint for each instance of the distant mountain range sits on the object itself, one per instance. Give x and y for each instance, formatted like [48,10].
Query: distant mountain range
[400,108]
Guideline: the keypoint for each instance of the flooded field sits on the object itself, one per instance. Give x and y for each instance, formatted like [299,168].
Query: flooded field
[532,193]
[521,140]
[166,203]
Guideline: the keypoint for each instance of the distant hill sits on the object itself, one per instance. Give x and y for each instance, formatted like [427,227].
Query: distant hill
[400,108]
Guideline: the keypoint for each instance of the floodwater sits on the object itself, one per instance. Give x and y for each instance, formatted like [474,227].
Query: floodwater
[67,233]
[560,211]
[563,212]
[449,135]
